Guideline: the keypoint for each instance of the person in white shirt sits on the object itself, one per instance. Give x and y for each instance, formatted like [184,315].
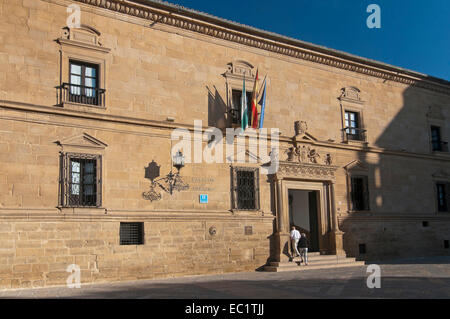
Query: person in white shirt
[295,237]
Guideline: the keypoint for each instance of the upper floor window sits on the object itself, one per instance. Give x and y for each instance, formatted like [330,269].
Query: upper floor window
[437,145]
[81,180]
[353,130]
[442,196]
[360,193]
[237,105]
[83,86]
[245,188]
[83,69]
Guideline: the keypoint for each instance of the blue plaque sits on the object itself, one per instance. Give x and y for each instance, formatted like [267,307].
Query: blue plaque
[204,199]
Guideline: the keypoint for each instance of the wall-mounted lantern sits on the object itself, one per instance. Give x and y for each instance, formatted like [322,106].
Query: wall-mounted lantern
[169,183]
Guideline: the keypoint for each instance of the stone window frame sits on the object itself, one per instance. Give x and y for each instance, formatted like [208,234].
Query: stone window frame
[435,118]
[65,158]
[234,77]
[357,169]
[441,177]
[234,191]
[350,101]
[366,193]
[83,45]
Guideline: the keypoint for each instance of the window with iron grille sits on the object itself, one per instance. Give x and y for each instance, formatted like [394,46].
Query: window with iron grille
[132,233]
[360,193]
[437,145]
[443,196]
[245,188]
[80,181]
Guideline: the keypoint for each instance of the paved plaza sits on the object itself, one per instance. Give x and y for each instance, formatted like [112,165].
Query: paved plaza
[413,278]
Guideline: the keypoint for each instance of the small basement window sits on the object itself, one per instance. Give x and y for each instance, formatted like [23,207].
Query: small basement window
[132,233]
[362,249]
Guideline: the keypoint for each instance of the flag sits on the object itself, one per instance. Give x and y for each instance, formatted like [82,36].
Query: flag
[254,119]
[244,111]
[262,102]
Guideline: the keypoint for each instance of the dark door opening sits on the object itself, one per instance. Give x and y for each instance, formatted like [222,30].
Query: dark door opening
[303,213]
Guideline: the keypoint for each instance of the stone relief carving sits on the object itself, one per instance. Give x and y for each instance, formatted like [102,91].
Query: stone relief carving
[240,68]
[84,33]
[310,171]
[300,127]
[302,153]
[351,93]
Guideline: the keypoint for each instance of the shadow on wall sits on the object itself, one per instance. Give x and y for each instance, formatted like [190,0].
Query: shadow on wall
[403,183]
[217,109]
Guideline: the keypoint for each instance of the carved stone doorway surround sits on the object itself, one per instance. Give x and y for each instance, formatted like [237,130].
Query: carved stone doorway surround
[306,176]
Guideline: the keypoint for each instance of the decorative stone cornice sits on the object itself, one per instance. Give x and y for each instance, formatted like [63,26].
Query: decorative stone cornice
[306,171]
[190,20]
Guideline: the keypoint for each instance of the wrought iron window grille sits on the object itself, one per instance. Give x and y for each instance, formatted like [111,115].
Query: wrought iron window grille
[80,180]
[245,188]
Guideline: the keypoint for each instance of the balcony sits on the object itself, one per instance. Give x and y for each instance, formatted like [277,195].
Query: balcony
[80,94]
[354,134]
[235,116]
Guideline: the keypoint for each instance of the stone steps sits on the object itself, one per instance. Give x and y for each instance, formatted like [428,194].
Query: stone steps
[315,261]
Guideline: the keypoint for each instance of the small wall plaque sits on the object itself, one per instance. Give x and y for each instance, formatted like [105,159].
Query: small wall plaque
[204,199]
[248,230]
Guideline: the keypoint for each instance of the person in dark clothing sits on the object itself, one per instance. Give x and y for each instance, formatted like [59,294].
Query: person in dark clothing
[303,248]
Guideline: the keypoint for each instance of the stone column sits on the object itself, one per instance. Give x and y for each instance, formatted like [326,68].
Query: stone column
[336,234]
[281,235]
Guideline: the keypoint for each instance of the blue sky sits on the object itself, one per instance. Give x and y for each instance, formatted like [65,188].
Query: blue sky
[414,34]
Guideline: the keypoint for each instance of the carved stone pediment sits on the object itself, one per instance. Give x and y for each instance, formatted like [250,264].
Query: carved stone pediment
[303,150]
[306,171]
[240,69]
[83,36]
[351,94]
[356,165]
[82,141]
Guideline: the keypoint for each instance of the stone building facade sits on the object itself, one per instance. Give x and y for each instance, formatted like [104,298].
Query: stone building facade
[86,118]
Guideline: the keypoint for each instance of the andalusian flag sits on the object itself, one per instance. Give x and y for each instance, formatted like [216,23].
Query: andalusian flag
[244,111]
[254,118]
[262,102]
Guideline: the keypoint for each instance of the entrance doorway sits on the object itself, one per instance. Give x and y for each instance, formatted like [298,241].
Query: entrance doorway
[303,213]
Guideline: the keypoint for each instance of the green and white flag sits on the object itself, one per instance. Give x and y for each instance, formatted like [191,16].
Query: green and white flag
[244,111]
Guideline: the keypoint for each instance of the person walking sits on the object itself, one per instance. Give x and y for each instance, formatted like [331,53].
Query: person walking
[295,237]
[303,245]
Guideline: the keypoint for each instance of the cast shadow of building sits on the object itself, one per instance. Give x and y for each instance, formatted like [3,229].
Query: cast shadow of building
[402,177]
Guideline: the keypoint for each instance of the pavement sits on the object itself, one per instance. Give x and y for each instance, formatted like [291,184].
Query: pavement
[423,278]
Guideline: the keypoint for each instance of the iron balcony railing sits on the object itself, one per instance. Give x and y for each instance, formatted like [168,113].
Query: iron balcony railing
[235,116]
[354,134]
[75,93]
[439,146]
